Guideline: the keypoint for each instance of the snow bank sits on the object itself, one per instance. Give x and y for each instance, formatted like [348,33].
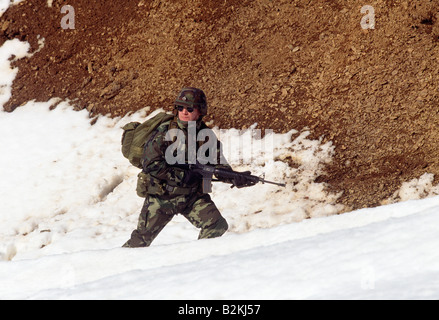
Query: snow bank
[68,203]
[415,189]
[376,253]
[5,4]
[11,48]
[66,179]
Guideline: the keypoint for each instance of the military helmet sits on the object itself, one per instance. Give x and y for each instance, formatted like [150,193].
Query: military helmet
[192,97]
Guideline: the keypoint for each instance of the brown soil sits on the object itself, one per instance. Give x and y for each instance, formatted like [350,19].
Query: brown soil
[283,64]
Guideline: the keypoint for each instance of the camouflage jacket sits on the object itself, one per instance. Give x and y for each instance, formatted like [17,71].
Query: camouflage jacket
[164,178]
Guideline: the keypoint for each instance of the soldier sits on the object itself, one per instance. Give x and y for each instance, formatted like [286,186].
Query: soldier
[172,189]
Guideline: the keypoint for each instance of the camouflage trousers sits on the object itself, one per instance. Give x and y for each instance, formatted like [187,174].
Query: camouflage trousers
[157,212]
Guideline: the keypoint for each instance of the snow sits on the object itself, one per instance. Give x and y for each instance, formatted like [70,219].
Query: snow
[68,203]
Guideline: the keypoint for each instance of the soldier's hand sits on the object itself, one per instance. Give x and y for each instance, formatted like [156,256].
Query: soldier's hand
[191,176]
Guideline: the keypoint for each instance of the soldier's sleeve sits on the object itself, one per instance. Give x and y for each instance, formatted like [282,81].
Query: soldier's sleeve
[154,162]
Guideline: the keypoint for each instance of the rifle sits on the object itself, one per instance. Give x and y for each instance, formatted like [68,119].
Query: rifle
[208,171]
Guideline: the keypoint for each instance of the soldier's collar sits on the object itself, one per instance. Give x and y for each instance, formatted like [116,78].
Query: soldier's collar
[184,124]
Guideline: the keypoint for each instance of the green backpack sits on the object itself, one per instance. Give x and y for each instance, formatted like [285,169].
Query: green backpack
[135,135]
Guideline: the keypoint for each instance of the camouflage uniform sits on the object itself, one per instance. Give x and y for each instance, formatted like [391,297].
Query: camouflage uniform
[170,191]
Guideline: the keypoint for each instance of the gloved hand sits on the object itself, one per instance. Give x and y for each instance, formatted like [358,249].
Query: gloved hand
[242,181]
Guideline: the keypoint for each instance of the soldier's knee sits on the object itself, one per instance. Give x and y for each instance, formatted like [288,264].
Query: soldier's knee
[222,225]
[214,230]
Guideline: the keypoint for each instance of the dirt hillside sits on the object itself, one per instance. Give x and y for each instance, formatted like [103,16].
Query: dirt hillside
[283,64]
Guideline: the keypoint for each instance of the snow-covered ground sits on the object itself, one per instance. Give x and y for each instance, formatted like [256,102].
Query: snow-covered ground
[68,203]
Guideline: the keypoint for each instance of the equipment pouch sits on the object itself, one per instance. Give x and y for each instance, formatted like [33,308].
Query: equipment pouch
[148,185]
[142,188]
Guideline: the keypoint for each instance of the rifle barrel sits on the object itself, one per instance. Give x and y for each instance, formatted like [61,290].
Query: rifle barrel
[271,182]
[235,173]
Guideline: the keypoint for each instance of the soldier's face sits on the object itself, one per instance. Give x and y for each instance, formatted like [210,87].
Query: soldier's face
[185,115]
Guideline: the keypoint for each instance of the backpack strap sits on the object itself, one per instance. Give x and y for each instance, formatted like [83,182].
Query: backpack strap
[173,124]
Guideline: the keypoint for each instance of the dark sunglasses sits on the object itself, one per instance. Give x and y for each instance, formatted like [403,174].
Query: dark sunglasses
[189,109]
